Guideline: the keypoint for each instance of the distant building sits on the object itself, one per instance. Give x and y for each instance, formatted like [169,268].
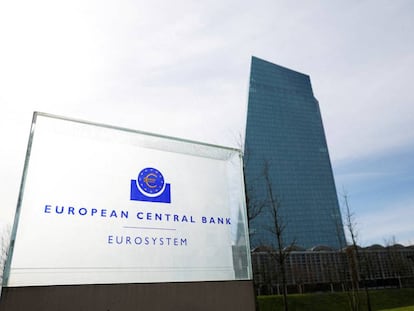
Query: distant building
[326,269]
[284,128]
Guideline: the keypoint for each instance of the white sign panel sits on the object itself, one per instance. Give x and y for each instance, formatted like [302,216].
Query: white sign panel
[100,204]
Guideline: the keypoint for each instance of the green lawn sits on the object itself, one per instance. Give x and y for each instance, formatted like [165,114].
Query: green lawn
[411,308]
[381,300]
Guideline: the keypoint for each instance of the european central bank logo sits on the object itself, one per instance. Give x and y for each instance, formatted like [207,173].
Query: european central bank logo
[150,187]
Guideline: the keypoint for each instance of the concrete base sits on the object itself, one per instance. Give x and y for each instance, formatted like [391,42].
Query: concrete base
[195,296]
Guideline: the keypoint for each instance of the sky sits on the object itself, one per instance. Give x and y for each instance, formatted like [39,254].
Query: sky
[181,68]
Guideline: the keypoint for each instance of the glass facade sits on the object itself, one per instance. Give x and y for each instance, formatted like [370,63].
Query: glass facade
[284,129]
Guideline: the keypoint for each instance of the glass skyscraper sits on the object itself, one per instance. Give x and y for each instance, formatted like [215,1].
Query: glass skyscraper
[284,133]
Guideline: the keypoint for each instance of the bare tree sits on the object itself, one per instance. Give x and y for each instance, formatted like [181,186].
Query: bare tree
[277,229]
[398,264]
[355,258]
[351,251]
[342,264]
[254,202]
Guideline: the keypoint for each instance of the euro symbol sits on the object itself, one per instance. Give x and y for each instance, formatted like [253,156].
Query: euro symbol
[150,179]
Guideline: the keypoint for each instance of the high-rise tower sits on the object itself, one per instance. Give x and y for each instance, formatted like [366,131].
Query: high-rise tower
[284,129]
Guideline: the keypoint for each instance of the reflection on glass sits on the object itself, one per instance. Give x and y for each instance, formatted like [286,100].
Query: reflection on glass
[102,204]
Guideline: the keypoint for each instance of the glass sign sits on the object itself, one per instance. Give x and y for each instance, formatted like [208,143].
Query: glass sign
[101,204]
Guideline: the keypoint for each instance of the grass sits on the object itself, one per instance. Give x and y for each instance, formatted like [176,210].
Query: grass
[411,308]
[381,300]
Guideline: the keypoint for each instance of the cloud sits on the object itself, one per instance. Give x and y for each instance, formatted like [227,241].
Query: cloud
[185,64]
[386,222]
[380,194]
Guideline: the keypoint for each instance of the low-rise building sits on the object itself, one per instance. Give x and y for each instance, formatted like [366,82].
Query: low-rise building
[325,269]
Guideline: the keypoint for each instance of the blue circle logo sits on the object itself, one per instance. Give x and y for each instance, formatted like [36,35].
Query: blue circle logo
[151,180]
